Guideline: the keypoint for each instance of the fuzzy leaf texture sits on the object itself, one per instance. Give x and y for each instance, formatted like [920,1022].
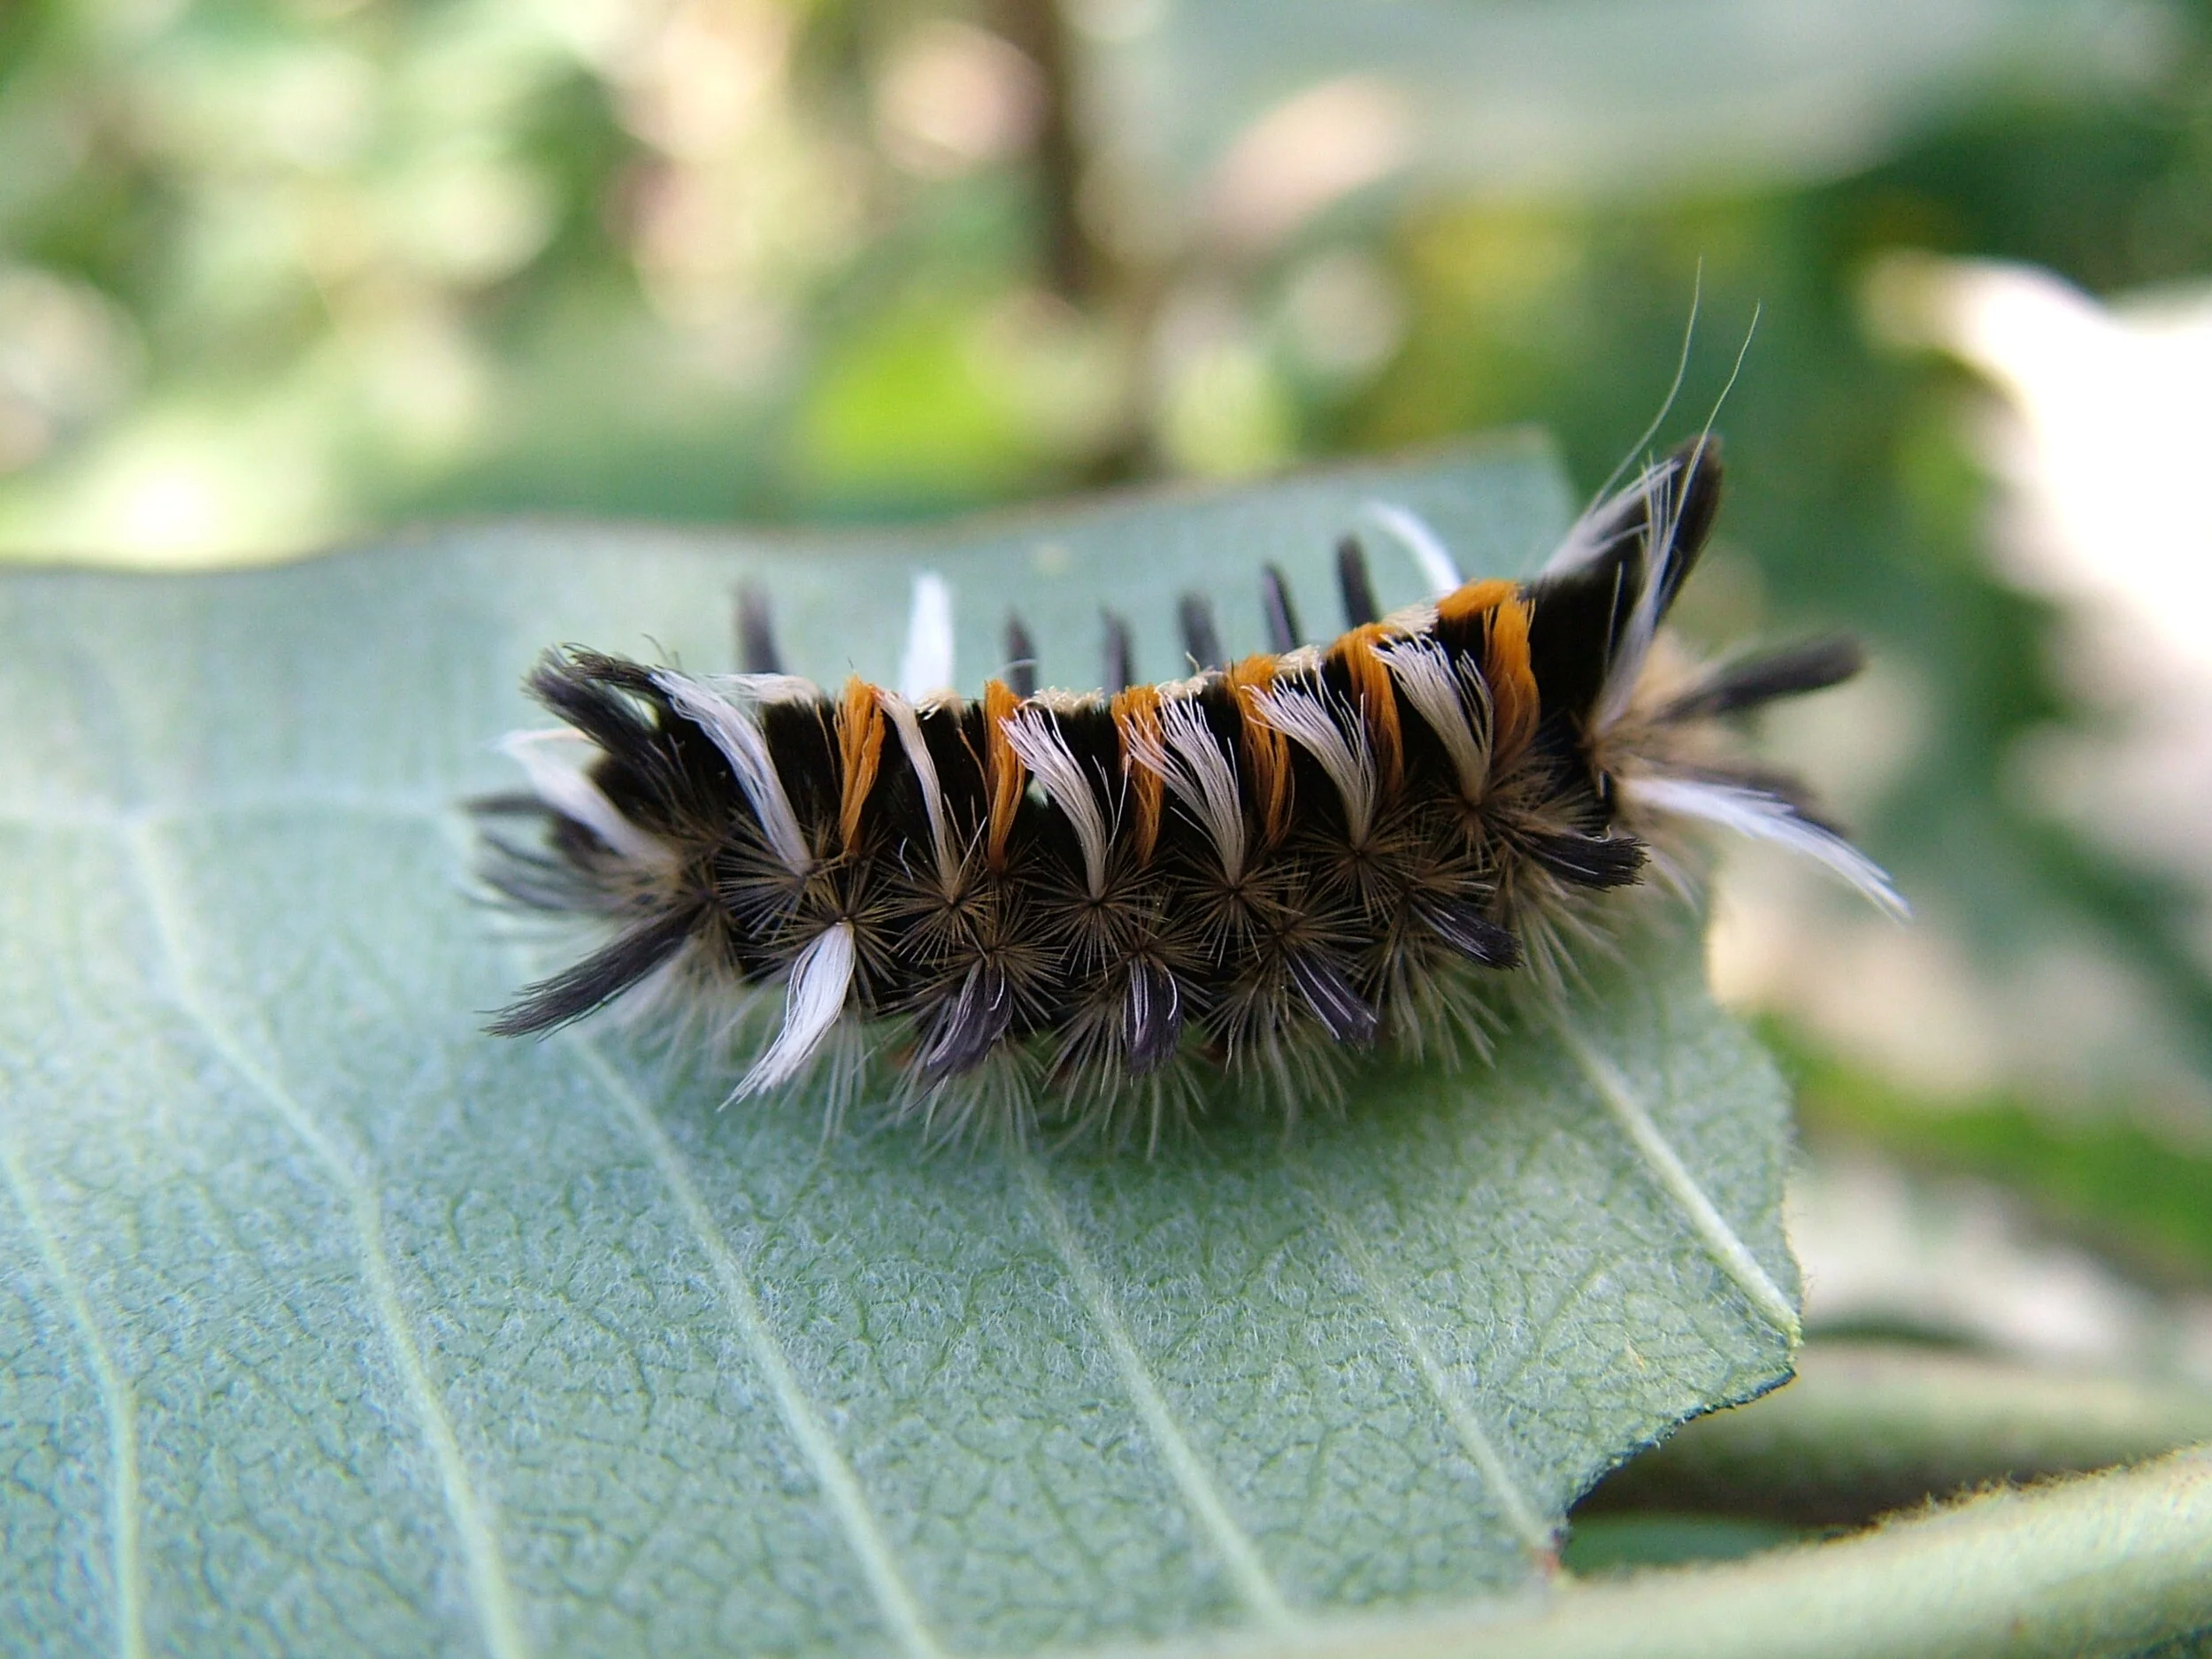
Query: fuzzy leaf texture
[328,1324]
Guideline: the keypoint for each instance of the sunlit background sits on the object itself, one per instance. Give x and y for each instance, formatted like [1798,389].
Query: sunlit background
[277,274]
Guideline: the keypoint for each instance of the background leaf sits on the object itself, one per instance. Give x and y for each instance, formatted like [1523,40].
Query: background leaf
[1601,99]
[328,1323]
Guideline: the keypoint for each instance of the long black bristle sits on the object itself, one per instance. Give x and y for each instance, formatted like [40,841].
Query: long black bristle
[1202,640]
[1342,1012]
[1589,861]
[1353,583]
[1471,933]
[968,1025]
[1749,682]
[1154,1025]
[1282,621]
[757,652]
[1695,494]
[596,980]
[1120,665]
[1021,658]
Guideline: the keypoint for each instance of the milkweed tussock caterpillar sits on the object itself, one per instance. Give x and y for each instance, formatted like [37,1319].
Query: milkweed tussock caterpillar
[1069,910]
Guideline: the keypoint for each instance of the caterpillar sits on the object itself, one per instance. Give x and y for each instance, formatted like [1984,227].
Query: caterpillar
[1054,908]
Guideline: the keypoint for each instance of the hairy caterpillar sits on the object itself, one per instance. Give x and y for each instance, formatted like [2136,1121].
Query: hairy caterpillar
[1070,908]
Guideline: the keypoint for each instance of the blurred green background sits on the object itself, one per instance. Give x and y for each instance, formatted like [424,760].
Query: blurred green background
[276,273]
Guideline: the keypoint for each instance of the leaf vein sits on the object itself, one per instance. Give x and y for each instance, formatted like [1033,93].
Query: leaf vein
[1448,1391]
[1674,1179]
[894,1597]
[1253,1582]
[491,1594]
[118,1404]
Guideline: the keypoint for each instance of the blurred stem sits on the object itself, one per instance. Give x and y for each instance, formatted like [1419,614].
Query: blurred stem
[1073,262]
[2109,1564]
[1077,267]
[1869,1428]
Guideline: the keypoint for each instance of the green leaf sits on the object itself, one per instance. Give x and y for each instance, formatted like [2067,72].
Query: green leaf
[330,1324]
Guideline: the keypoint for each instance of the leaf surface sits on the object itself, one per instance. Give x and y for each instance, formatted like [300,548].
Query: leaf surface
[328,1324]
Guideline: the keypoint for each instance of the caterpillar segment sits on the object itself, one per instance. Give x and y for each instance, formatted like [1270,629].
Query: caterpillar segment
[1044,908]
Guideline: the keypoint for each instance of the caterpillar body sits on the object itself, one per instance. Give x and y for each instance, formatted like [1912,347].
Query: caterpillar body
[1054,909]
